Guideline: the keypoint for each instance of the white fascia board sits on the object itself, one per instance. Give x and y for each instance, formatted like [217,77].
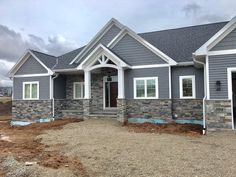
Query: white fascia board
[31,75]
[217,37]
[150,66]
[97,37]
[49,70]
[189,63]
[222,52]
[23,59]
[145,43]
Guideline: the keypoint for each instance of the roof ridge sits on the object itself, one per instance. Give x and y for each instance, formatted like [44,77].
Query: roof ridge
[192,26]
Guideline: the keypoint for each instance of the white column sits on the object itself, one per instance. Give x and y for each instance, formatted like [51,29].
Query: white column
[121,88]
[87,84]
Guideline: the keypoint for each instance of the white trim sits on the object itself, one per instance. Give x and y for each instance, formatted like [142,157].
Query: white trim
[23,59]
[170,85]
[97,37]
[50,87]
[207,77]
[32,75]
[81,91]
[181,87]
[23,90]
[230,93]
[87,84]
[144,43]
[222,52]
[145,87]
[216,38]
[150,66]
[102,50]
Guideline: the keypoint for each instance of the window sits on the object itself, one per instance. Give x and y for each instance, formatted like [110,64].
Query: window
[187,86]
[146,87]
[30,90]
[78,90]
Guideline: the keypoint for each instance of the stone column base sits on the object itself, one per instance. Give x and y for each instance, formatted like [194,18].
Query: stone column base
[86,108]
[121,111]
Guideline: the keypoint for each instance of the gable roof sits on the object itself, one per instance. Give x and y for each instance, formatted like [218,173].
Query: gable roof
[178,44]
[181,43]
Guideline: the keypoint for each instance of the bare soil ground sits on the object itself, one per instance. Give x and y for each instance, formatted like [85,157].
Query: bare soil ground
[172,128]
[107,149]
[21,144]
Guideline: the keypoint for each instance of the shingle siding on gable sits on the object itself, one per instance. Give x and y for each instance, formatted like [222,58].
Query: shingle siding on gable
[134,53]
[44,87]
[162,74]
[31,66]
[218,72]
[229,42]
[110,34]
[184,71]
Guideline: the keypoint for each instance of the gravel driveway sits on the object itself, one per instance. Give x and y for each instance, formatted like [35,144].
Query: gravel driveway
[107,149]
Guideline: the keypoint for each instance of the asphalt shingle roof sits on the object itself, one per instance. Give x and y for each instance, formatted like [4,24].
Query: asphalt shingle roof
[179,44]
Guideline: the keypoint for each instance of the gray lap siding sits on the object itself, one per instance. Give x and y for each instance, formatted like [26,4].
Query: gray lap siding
[218,72]
[163,80]
[184,71]
[44,87]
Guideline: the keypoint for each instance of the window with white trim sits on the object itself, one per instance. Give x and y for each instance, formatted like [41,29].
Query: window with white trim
[78,90]
[187,86]
[146,87]
[30,90]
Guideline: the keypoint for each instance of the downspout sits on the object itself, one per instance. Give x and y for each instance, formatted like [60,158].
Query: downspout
[53,101]
[204,98]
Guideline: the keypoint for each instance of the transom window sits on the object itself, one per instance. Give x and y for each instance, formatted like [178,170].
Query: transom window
[30,90]
[187,86]
[146,87]
[78,90]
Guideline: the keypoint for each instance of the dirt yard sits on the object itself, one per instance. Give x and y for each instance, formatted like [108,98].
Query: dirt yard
[104,148]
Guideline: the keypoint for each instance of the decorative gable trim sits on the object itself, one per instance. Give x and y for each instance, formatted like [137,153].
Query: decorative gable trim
[100,50]
[96,38]
[229,27]
[145,43]
[23,59]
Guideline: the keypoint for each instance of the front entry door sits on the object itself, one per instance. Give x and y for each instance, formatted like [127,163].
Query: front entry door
[111,92]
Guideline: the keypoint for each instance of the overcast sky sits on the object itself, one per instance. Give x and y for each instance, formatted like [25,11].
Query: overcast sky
[58,26]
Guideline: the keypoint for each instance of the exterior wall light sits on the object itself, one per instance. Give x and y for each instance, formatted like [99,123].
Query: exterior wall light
[218,86]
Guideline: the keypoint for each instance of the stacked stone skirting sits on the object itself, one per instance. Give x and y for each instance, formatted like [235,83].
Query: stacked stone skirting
[27,110]
[65,108]
[149,108]
[218,114]
[187,109]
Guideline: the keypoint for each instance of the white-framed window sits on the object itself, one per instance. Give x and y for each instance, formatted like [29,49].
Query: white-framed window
[146,88]
[78,90]
[31,90]
[187,87]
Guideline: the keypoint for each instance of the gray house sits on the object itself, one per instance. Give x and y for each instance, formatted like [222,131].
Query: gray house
[184,73]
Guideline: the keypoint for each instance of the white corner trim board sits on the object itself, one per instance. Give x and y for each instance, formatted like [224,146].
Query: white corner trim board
[181,87]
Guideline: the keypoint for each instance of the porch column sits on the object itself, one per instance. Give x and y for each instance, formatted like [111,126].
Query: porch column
[87,84]
[121,90]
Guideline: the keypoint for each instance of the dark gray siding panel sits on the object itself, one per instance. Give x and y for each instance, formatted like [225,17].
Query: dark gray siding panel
[108,36]
[161,73]
[229,42]
[184,71]
[31,66]
[218,72]
[44,87]
[134,53]
[60,87]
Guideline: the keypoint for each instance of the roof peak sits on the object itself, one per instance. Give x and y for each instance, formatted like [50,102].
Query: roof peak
[184,27]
